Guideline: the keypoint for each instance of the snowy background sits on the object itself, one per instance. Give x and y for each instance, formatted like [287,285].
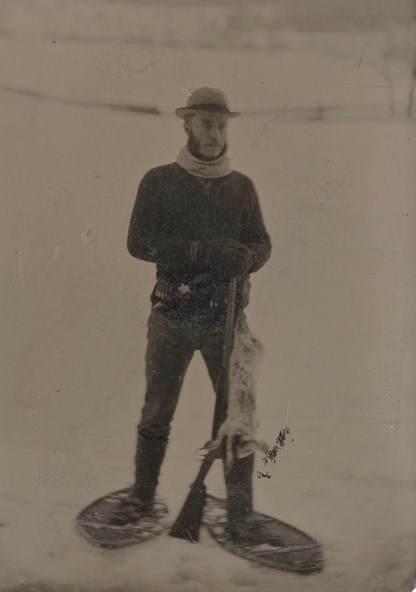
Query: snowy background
[330,147]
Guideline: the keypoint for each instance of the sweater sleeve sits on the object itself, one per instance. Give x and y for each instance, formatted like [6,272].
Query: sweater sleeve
[146,238]
[254,233]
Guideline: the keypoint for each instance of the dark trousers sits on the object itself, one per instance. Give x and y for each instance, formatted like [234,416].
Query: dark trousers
[171,345]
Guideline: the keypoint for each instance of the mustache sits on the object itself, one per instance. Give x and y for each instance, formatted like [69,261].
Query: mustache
[195,148]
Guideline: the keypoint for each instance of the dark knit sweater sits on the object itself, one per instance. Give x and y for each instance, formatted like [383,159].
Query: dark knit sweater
[174,208]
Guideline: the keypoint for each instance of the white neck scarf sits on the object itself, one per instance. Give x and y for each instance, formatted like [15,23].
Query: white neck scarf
[206,169]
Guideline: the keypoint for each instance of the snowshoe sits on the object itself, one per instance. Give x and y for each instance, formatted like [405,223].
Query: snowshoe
[264,540]
[118,520]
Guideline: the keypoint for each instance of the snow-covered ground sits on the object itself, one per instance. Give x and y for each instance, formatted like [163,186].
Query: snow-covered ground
[334,309]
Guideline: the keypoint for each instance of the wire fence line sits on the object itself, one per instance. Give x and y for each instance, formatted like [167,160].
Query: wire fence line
[287,114]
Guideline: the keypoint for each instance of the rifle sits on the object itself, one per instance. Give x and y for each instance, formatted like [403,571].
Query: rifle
[188,522]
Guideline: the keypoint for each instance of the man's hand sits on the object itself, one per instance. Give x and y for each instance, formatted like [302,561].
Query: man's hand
[224,257]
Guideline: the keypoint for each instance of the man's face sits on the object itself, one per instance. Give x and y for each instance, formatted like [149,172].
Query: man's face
[210,132]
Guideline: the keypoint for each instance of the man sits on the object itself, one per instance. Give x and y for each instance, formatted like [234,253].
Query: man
[201,223]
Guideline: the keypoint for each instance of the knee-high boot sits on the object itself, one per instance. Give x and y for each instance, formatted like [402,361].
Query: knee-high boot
[149,456]
[243,526]
[150,453]
[239,483]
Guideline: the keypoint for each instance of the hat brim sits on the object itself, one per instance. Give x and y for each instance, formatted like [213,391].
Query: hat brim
[182,112]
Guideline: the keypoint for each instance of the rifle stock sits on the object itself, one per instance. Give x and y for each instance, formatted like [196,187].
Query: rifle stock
[188,523]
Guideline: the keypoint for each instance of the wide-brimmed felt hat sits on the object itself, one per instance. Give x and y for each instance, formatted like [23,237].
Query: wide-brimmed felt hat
[207,100]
